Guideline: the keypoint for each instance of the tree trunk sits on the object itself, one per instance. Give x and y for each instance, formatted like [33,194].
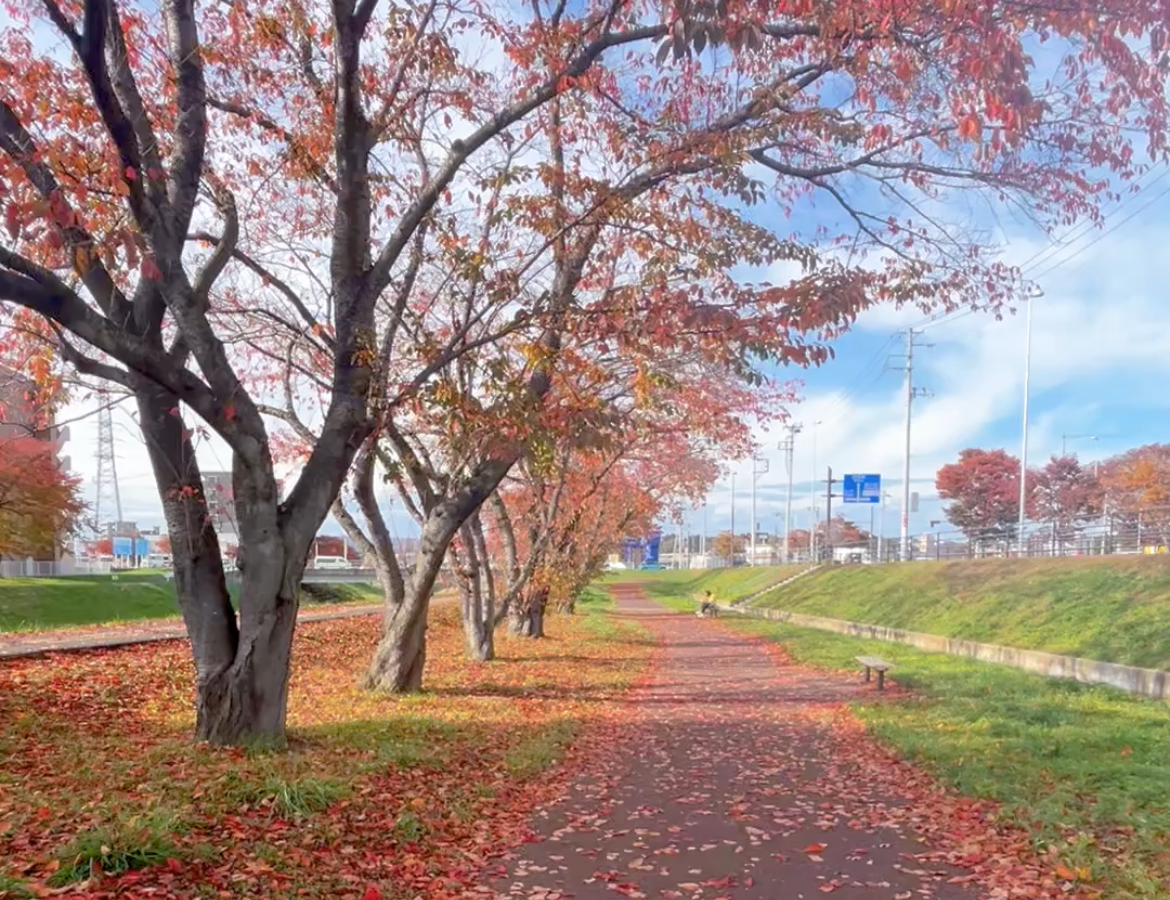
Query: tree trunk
[402,651]
[248,701]
[528,617]
[241,666]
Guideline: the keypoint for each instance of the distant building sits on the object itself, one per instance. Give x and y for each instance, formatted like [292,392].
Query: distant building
[22,416]
[221,506]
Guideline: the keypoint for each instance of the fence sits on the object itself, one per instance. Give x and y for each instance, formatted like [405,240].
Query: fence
[61,568]
[1146,531]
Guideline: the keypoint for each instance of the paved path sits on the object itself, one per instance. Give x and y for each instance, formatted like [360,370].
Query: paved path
[729,782]
[34,643]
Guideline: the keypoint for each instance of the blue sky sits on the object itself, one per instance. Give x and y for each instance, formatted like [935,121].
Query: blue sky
[1100,367]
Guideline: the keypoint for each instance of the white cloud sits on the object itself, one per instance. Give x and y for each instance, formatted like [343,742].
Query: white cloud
[1101,333]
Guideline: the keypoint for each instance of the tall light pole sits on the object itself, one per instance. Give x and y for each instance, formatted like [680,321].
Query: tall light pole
[1024,438]
[756,473]
[733,519]
[816,511]
[788,445]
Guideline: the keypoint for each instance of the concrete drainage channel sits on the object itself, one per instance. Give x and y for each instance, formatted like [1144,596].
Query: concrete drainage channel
[1153,683]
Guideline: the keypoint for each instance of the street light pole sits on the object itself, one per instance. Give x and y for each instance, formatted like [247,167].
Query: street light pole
[756,473]
[1024,439]
[788,445]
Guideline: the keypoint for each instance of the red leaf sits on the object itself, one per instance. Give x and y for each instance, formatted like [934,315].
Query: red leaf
[10,221]
[131,175]
[814,848]
[372,893]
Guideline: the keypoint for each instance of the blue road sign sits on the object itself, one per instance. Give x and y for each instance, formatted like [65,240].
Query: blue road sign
[123,546]
[861,488]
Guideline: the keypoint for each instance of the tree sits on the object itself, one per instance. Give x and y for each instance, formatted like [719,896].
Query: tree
[163,545]
[128,168]
[1136,491]
[335,144]
[840,531]
[727,546]
[101,547]
[39,503]
[1065,495]
[983,493]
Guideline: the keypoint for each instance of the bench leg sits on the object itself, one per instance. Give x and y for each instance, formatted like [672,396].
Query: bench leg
[881,681]
[867,674]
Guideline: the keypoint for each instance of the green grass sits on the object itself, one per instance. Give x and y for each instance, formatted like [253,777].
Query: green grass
[728,585]
[293,798]
[1077,766]
[39,604]
[1083,769]
[127,844]
[538,751]
[13,887]
[1113,609]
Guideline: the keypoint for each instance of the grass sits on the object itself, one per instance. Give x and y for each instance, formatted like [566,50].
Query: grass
[1084,769]
[15,888]
[1113,609]
[727,585]
[114,850]
[294,798]
[40,604]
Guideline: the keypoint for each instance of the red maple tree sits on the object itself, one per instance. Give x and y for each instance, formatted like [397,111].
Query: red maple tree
[982,491]
[39,503]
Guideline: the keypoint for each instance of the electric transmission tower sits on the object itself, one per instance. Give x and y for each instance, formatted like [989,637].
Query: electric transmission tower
[108,494]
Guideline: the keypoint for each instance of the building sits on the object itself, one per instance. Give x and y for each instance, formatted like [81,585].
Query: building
[23,416]
[217,487]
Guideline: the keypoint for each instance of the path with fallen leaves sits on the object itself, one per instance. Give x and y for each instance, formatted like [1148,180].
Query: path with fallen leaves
[742,776]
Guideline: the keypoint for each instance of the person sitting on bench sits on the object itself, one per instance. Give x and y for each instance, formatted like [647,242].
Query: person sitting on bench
[707,607]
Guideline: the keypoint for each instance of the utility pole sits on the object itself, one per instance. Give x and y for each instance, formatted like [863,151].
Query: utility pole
[787,446]
[756,473]
[911,393]
[829,482]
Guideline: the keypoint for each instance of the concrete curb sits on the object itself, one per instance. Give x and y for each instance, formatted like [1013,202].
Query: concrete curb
[1153,683]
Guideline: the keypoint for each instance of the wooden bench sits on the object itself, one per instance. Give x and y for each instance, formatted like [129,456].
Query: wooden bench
[874,664]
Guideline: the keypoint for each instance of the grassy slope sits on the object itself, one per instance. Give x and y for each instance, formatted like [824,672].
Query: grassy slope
[46,603]
[727,585]
[1085,769]
[1115,609]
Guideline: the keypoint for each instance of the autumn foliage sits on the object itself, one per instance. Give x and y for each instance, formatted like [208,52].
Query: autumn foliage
[39,503]
[390,230]
[405,797]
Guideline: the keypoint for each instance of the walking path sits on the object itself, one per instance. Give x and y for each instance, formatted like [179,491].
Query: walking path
[34,643]
[730,781]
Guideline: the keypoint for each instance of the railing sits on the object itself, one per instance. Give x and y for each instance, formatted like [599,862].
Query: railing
[61,568]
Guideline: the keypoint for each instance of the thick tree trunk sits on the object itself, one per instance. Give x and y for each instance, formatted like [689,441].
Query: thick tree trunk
[241,665]
[402,651]
[248,701]
[528,620]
